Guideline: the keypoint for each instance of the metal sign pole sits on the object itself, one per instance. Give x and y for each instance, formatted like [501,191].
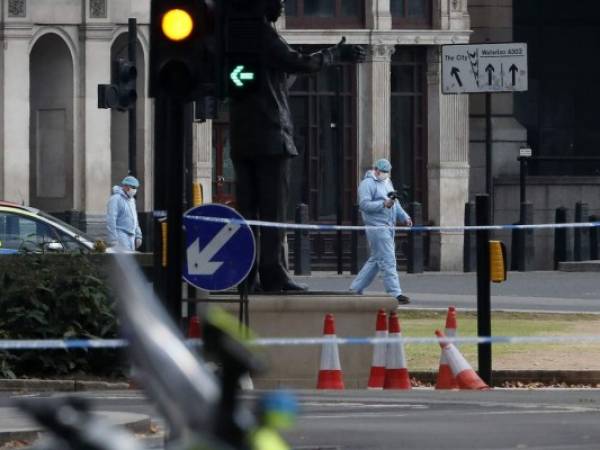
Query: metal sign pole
[244,313]
[174,167]
[488,144]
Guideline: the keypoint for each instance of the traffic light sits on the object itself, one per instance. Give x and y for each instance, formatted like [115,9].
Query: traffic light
[242,23]
[497,261]
[122,93]
[126,76]
[108,96]
[181,48]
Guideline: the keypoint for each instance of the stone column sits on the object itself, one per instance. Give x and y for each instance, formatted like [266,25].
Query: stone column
[202,169]
[453,15]
[448,165]
[97,166]
[374,106]
[15,106]
[378,14]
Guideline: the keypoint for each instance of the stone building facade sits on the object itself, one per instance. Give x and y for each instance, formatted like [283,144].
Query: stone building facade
[556,117]
[59,152]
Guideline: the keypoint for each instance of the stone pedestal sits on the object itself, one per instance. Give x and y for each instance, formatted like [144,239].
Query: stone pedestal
[302,316]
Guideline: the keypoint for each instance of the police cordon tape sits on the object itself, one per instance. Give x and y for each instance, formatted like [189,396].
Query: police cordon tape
[416,228]
[73,344]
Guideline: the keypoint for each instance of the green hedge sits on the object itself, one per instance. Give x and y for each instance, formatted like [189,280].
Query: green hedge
[56,297]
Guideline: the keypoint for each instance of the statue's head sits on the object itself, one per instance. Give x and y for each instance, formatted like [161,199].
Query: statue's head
[273,9]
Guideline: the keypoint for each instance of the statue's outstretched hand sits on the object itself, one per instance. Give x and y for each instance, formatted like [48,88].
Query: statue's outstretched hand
[341,52]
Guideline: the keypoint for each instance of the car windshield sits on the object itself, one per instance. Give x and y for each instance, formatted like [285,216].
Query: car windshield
[77,232]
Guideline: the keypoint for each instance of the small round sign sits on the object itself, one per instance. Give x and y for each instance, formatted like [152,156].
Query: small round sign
[218,255]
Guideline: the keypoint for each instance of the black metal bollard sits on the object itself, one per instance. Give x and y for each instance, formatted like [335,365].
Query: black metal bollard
[159,258]
[561,236]
[470,241]
[523,251]
[74,218]
[581,236]
[415,240]
[146,221]
[515,248]
[594,241]
[301,243]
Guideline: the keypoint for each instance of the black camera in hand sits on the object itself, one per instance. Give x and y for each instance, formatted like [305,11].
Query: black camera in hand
[393,195]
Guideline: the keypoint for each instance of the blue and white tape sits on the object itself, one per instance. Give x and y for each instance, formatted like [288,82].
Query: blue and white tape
[60,344]
[417,228]
[72,344]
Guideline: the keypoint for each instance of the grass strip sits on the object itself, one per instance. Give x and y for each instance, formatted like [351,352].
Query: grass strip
[568,356]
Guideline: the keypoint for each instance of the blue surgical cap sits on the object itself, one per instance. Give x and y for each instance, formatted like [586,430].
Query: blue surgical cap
[131,181]
[383,165]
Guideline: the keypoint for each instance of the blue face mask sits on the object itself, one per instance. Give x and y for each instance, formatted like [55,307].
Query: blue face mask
[382,176]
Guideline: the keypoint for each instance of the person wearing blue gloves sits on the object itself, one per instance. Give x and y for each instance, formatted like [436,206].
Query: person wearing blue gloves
[122,225]
[381,211]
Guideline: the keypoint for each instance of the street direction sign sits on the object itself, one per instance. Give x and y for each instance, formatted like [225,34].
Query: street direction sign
[218,255]
[478,68]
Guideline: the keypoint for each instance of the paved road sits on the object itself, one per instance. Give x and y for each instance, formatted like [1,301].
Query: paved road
[425,419]
[536,291]
[450,420]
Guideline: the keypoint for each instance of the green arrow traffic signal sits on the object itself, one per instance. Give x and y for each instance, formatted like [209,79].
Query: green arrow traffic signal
[238,76]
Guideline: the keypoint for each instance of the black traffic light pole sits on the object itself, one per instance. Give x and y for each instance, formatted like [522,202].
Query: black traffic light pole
[484,321]
[131,50]
[172,151]
[121,93]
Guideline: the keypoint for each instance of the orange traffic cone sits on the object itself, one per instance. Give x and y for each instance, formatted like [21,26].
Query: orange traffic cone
[377,376]
[194,327]
[445,379]
[465,376]
[396,373]
[330,372]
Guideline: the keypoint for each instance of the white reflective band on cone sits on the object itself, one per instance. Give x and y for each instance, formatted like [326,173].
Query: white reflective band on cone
[457,362]
[379,350]
[394,358]
[330,358]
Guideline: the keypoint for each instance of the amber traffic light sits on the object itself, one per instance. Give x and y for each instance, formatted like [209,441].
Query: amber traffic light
[180,64]
[177,24]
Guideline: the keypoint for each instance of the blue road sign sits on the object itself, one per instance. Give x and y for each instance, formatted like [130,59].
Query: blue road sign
[218,255]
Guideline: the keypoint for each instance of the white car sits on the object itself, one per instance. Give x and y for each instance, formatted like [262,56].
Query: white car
[24,230]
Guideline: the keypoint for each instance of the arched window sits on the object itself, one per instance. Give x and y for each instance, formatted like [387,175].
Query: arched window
[51,125]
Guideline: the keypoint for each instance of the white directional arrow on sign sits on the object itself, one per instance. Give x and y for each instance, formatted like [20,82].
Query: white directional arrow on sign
[199,262]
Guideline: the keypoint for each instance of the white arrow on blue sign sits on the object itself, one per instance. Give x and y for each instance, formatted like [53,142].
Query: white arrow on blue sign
[218,255]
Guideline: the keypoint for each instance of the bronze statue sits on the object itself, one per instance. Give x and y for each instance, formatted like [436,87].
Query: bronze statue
[262,144]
